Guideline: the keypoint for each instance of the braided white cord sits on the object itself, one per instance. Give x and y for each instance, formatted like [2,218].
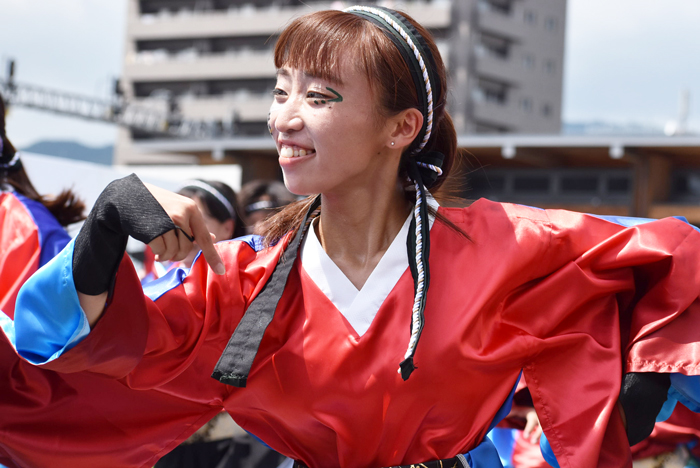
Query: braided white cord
[420,288]
[431,167]
[415,315]
[419,57]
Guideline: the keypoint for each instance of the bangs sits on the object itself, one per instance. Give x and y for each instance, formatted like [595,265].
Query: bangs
[319,43]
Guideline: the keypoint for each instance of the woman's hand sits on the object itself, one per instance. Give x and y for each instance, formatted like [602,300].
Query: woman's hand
[100,243]
[176,244]
[532,430]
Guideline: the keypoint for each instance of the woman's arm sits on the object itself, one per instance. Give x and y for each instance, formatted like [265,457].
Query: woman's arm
[167,222]
[617,301]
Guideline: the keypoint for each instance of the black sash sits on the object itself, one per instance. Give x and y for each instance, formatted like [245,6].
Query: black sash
[237,359]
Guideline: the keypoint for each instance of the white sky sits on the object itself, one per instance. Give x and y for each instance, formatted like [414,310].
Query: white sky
[627,61]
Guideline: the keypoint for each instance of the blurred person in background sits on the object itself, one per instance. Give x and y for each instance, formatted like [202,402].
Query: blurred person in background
[219,206]
[263,198]
[32,226]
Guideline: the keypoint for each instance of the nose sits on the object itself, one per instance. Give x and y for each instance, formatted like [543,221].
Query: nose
[286,116]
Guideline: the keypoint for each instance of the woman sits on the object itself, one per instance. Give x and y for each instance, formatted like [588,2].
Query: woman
[32,227]
[305,353]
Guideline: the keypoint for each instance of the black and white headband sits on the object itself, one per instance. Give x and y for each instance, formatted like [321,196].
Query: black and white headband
[261,205]
[213,192]
[414,52]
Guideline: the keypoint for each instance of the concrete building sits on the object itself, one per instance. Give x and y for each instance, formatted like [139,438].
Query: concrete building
[211,59]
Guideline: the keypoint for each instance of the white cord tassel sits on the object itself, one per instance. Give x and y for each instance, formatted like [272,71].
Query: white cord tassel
[416,320]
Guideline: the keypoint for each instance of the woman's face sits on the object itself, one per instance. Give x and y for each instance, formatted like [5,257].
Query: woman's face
[328,135]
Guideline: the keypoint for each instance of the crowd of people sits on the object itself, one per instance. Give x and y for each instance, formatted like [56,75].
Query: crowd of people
[363,326]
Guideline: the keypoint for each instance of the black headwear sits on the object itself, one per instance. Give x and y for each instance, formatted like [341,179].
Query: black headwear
[9,160]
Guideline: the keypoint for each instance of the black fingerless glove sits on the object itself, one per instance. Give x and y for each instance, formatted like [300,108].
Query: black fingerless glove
[642,396]
[125,208]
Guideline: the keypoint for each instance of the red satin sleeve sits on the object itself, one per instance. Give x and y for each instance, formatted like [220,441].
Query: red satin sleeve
[607,296]
[150,342]
[139,384]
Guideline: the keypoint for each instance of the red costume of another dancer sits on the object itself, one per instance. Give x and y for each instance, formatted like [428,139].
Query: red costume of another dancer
[19,244]
[29,237]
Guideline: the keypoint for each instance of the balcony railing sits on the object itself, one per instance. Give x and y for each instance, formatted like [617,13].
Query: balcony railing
[249,20]
[161,66]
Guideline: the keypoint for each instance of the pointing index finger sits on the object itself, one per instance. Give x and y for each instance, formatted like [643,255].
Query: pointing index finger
[205,242]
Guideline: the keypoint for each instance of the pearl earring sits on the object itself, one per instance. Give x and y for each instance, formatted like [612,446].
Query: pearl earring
[392,143]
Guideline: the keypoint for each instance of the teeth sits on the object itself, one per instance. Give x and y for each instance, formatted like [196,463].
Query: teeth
[290,152]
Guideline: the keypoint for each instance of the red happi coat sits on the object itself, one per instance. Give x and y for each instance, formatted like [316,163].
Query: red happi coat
[547,292]
[19,249]
[29,237]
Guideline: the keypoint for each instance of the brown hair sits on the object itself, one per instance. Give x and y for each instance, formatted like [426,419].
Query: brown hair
[67,208]
[319,42]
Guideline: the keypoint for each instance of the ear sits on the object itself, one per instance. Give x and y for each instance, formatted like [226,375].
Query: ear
[405,127]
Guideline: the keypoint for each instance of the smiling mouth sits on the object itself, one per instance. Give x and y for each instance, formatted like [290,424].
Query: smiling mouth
[294,152]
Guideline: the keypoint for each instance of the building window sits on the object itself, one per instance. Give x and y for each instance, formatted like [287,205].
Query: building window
[580,184]
[618,185]
[531,184]
[493,46]
[502,7]
[546,110]
[550,24]
[492,91]
[530,17]
[526,105]
[566,185]
[529,61]
[550,66]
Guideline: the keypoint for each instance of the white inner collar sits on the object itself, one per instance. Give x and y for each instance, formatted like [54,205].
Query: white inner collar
[359,307]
